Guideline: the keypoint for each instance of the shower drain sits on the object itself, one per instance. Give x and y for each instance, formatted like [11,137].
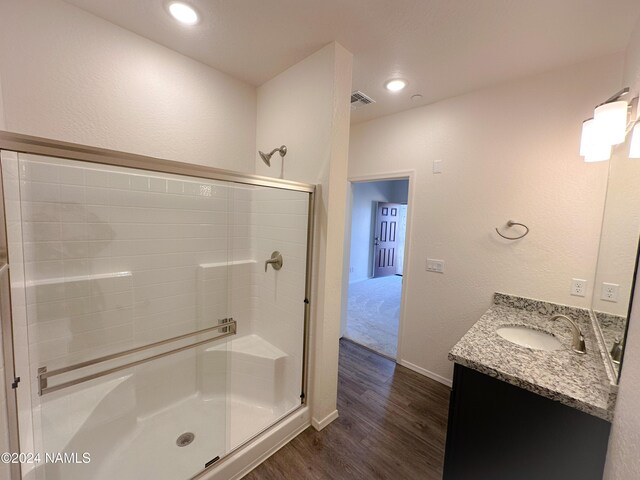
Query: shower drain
[185,439]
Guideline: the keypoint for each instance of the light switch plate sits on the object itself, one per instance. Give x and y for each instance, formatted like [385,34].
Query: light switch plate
[435,265]
[437,166]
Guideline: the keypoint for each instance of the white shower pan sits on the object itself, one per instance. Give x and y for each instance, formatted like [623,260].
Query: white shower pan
[128,439]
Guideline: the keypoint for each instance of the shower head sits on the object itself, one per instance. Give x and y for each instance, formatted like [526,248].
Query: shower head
[266,157]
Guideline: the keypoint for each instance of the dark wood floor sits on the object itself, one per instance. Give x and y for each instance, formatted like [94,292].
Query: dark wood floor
[392,425]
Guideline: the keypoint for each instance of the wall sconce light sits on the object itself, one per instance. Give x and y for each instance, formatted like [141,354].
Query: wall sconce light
[592,146]
[611,121]
[608,127]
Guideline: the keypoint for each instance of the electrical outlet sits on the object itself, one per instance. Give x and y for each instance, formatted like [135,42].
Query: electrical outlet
[578,287]
[435,265]
[609,292]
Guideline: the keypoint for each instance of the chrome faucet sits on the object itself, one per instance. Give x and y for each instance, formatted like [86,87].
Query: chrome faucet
[616,351]
[578,339]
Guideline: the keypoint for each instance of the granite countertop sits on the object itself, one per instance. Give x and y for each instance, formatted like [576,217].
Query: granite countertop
[579,381]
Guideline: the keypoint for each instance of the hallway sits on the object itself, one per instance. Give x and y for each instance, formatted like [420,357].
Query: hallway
[374,312]
[392,425]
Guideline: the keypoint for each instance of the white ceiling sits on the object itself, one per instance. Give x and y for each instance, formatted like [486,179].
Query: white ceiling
[442,47]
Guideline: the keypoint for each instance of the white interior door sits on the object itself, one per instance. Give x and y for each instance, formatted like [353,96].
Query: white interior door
[385,258]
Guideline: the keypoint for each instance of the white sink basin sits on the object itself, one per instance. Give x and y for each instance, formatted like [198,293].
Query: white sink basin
[530,338]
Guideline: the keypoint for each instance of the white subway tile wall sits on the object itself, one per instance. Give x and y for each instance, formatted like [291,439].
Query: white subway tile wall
[279,222]
[111,255]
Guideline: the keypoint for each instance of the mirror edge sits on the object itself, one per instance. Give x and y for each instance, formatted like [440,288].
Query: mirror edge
[626,328]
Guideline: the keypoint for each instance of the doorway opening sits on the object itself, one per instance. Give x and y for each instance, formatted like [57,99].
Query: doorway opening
[376,264]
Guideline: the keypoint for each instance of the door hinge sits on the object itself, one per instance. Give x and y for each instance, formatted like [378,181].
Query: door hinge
[16,381]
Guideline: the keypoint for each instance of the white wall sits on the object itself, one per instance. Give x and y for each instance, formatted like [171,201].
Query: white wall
[400,191]
[632,62]
[623,457]
[3,125]
[508,152]
[364,195]
[307,108]
[71,76]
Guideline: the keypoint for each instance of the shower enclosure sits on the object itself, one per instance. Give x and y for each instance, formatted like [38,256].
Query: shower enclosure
[151,332]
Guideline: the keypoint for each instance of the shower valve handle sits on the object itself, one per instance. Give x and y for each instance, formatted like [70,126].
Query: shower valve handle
[275,261]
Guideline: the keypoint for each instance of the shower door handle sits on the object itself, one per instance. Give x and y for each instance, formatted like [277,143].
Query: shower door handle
[275,261]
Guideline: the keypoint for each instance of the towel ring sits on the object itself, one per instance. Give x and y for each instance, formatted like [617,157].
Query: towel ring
[511,223]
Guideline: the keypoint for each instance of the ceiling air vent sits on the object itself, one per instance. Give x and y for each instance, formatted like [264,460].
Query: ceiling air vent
[359,99]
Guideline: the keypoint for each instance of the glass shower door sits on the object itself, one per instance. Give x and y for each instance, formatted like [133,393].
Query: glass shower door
[266,359]
[121,305]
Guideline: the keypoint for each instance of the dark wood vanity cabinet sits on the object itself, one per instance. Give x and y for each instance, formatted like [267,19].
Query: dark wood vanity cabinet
[498,431]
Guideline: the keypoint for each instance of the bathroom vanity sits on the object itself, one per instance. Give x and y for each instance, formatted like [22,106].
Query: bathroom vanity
[522,413]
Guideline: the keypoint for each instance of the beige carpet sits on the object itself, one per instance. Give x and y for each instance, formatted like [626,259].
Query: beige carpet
[374,312]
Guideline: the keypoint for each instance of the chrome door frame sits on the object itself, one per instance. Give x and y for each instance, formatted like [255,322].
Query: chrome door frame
[20,143]
[10,381]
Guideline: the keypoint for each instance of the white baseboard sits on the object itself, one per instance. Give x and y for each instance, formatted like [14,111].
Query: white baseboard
[320,424]
[426,373]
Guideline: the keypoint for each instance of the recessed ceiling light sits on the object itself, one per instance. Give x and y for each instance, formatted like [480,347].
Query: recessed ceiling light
[183,13]
[395,85]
